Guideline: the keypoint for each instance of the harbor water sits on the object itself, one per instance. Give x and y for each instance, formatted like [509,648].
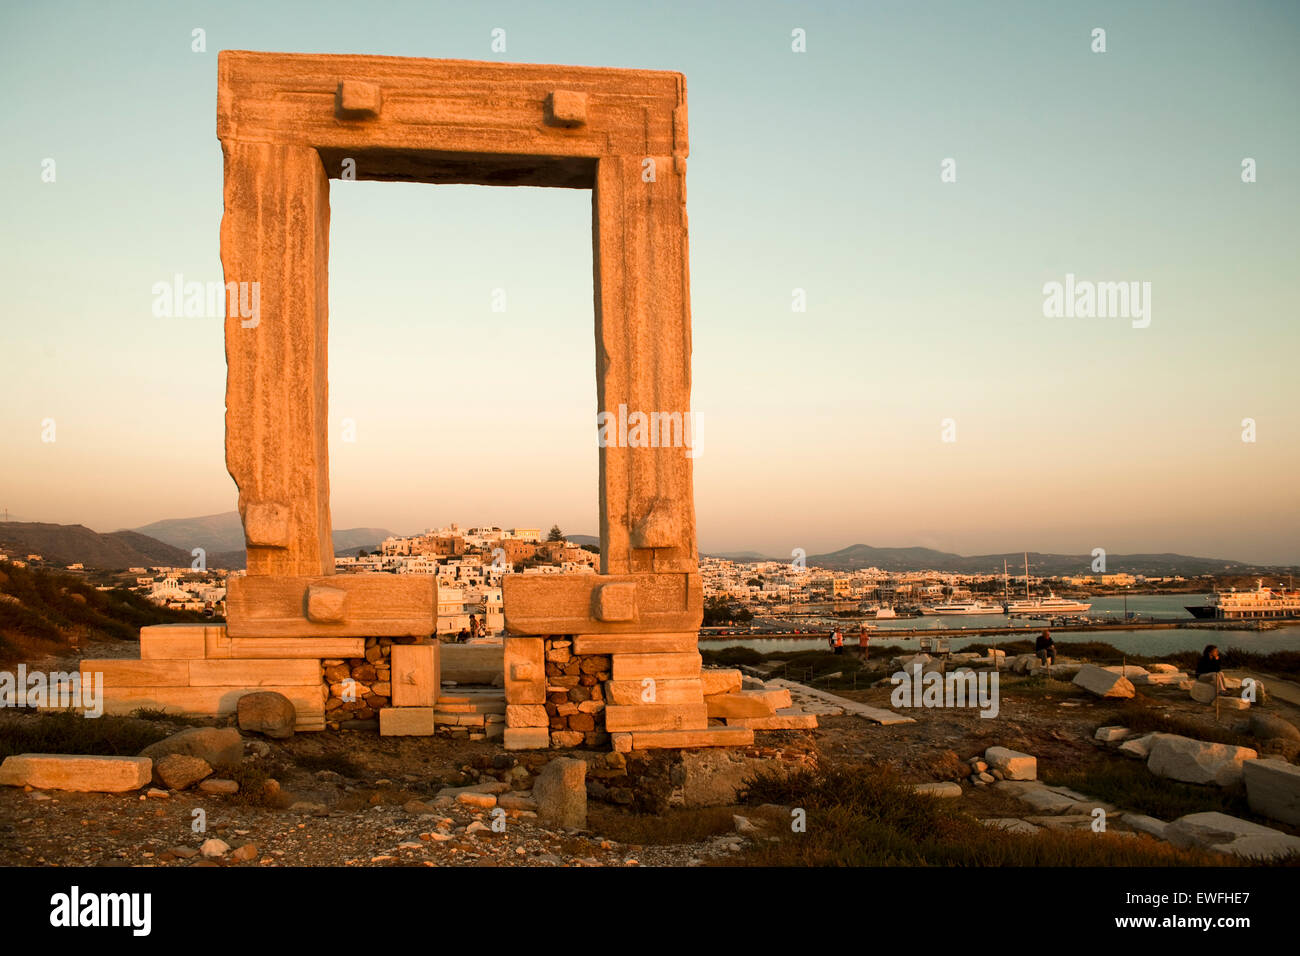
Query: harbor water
[1285,637]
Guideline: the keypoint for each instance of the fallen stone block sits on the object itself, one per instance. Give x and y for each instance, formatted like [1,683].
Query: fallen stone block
[1139,747]
[1103,683]
[85,774]
[1049,802]
[1221,833]
[560,792]
[1111,734]
[1146,824]
[1013,764]
[1128,670]
[1196,761]
[1065,821]
[1273,789]
[944,789]
[1011,825]
[218,785]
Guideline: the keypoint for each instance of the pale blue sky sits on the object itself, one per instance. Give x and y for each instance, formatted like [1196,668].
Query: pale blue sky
[817,170]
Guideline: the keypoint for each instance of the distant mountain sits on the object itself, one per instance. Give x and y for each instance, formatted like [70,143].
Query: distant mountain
[213,533]
[858,556]
[743,556]
[222,536]
[581,539]
[76,544]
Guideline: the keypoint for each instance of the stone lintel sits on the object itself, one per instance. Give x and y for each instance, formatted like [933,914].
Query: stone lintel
[377,605]
[544,604]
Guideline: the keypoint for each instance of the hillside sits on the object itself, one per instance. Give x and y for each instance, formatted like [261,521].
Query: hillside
[222,536]
[66,544]
[46,612]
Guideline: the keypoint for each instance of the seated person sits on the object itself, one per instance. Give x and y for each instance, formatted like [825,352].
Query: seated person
[1045,648]
[1210,668]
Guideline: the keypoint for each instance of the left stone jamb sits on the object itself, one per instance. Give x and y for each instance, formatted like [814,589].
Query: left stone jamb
[275,238]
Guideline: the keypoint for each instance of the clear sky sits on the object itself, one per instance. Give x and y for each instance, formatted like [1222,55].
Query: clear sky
[817,170]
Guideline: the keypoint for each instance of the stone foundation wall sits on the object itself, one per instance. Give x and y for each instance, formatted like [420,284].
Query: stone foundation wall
[372,690]
[575,698]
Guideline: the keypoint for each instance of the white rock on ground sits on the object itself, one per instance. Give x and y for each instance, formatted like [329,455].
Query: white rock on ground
[1110,734]
[1011,825]
[1273,789]
[1048,801]
[1222,833]
[1196,761]
[944,789]
[1145,824]
[1139,747]
[1103,683]
[213,848]
[1013,764]
[1128,670]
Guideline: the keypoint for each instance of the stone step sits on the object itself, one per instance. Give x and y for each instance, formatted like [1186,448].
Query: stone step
[681,739]
[786,719]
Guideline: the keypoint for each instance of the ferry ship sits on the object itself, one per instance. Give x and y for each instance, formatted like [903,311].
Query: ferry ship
[1260,604]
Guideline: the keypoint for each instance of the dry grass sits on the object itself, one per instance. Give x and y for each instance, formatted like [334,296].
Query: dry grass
[676,826]
[867,816]
[67,733]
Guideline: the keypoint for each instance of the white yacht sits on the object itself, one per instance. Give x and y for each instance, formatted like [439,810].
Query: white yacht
[963,607]
[1049,605]
[1039,606]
